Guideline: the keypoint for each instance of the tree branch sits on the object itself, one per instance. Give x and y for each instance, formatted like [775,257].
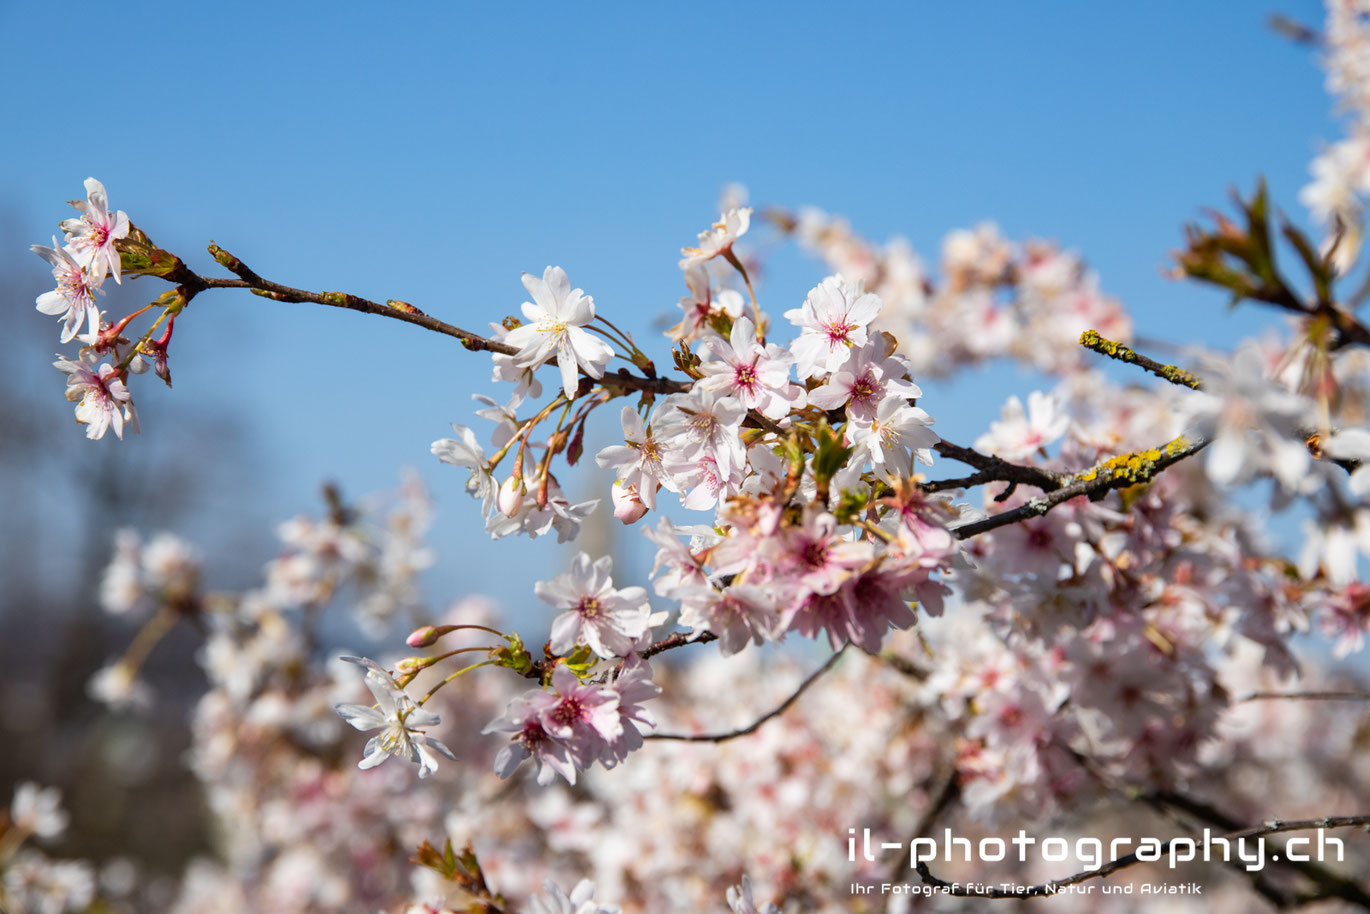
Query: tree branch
[1118,472]
[1306,696]
[756,724]
[993,469]
[1091,340]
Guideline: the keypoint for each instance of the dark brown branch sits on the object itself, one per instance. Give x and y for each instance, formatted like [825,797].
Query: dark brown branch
[756,724]
[1116,473]
[1055,885]
[945,794]
[401,311]
[248,279]
[993,469]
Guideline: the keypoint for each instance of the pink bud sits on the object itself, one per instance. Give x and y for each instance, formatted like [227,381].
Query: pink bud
[428,635]
[422,637]
[511,496]
[627,506]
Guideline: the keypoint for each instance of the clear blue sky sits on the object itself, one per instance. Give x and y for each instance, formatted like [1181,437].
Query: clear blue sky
[433,152]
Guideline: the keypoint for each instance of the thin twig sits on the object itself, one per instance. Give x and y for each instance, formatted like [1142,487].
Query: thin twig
[943,796]
[250,280]
[1306,696]
[756,724]
[1090,339]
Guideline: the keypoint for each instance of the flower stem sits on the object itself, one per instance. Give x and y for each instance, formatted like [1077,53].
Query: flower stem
[433,691]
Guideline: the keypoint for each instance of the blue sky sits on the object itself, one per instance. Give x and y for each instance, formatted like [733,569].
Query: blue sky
[433,152]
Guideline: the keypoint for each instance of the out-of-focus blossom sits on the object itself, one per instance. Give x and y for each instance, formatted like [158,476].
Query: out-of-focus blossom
[1018,434]
[580,901]
[741,901]
[119,687]
[1255,425]
[38,810]
[719,239]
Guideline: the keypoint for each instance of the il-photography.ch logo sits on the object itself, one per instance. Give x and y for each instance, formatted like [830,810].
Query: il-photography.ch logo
[1088,854]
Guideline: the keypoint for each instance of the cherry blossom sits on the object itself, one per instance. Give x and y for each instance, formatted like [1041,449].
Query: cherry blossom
[93,236]
[1018,434]
[756,374]
[738,614]
[580,901]
[104,401]
[557,319]
[608,620]
[896,433]
[465,451]
[1255,425]
[833,320]
[401,721]
[638,460]
[704,305]
[719,239]
[869,375]
[74,298]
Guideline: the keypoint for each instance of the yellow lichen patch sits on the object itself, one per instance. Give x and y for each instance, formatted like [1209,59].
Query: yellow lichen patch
[1134,466]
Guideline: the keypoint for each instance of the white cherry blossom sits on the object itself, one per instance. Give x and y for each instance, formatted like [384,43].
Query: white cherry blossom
[557,319]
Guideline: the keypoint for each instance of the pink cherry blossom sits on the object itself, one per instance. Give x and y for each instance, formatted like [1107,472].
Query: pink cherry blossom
[638,461]
[608,620]
[756,374]
[93,236]
[866,378]
[74,298]
[104,400]
[833,319]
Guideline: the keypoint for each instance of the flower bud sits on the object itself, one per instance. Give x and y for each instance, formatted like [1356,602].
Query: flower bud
[628,507]
[428,635]
[422,637]
[411,665]
[511,495]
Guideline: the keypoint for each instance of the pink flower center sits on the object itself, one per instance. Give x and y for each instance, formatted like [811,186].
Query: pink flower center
[814,554]
[589,608]
[532,735]
[569,711]
[72,284]
[865,388]
[744,376]
[837,332]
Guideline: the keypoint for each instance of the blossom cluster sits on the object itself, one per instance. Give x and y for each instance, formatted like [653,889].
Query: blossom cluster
[80,266]
[1341,172]
[1115,640]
